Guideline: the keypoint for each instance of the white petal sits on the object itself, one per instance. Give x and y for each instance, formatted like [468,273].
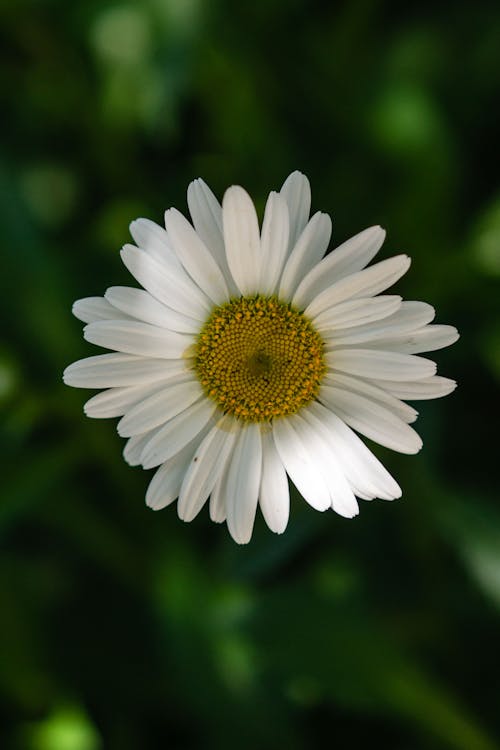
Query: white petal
[134,447]
[242,240]
[309,248]
[368,477]
[409,317]
[274,242]
[300,464]
[373,392]
[154,240]
[91,309]
[371,419]
[116,401]
[172,286]
[243,482]
[140,305]
[355,312]
[195,257]
[111,370]
[342,498]
[274,497]
[173,436]
[166,483]
[344,260]
[205,468]
[133,337]
[426,388]
[365,283]
[161,407]
[426,339]
[206,213]
[297,193]
[217,506]
[380,365]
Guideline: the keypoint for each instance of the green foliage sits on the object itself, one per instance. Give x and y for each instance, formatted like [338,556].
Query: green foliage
[125,629]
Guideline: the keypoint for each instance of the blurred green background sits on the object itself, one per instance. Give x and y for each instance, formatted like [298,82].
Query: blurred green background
[125,629]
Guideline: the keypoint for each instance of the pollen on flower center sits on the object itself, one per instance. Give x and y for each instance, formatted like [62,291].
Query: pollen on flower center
[259,358]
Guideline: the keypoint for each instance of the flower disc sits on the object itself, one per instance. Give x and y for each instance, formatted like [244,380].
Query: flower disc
[259,358]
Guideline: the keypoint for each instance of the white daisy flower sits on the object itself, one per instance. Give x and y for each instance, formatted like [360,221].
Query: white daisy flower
[248,358]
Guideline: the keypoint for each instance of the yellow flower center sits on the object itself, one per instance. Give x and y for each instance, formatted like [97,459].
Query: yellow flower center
[259,358]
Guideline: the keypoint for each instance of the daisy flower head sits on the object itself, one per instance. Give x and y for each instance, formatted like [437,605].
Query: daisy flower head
[248,357]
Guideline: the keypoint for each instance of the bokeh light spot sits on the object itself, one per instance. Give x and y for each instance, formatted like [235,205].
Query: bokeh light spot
[67,728]
[122,35]
[405,121]
[486,243]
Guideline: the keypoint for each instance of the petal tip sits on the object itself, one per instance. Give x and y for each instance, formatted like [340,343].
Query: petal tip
[152,504]
[149,462]
[234,192]
[122,430]
[241,540]
[418,445]
[296,175]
